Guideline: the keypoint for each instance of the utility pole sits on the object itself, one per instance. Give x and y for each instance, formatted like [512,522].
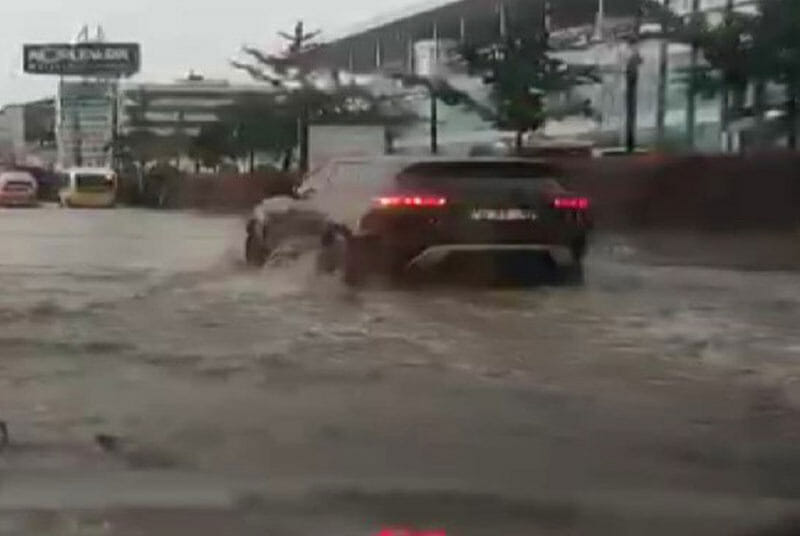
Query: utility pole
[77,137]
[599,21]
[791,115]
[663,80]
[434,121]
[691,88]
[302,137]
[547,23]
[433,93]
[759,109]
[436,51]
[631,99]
[503,23]
[632,84]
[115,104]
[725,95]
[433,89]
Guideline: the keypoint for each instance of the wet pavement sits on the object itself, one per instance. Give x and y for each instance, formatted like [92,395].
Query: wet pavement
[656,396]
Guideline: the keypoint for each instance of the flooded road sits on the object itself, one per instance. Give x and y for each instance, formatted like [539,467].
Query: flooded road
[651,394]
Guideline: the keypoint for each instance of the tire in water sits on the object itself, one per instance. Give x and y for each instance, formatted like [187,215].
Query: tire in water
[254,251]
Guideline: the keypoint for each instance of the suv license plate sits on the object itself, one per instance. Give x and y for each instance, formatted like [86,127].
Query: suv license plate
[510,214]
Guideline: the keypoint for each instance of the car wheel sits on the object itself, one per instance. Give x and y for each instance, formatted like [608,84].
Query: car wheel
[255,251]
[396,265]
[570,273]
[331,248]
[356,262]
[573,274]
[578,249]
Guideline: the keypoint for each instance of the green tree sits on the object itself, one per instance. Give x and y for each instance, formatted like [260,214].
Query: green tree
[354,104]
[744,49]
[291,73]
[141,146]
[307,95]
[521,72]
[212,145]
[260,123]
[729,64]
[251,124]
[777,47]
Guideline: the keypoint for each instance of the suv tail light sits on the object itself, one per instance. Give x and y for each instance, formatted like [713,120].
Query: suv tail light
[571,203]
[408,201]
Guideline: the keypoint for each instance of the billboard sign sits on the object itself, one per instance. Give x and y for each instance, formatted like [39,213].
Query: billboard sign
[83,59]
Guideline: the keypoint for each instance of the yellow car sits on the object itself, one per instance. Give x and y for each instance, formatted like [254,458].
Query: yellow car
[88,188]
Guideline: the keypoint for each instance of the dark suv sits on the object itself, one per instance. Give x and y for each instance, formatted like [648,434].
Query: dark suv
[390,214]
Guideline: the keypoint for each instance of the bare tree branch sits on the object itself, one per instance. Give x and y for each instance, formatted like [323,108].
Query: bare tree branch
[257,73]
[277,63]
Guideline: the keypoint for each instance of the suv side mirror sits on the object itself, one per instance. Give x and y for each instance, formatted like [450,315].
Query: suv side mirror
[306,193]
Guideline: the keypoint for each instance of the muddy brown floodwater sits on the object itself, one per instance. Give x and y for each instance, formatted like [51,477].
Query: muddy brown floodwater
[656,398]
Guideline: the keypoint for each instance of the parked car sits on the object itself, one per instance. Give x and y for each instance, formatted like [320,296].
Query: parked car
[88,187]
[46,180]
[17,188]
[389,214]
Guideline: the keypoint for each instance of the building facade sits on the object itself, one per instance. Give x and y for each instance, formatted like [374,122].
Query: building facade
[27,133]
[182,107]
[610,52]
[86,122]
[592,32]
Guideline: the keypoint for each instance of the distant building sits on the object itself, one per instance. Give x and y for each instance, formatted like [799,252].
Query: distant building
[85,122]
[683,7]
[27,133]
[183,106]
[592,32]
[605,47]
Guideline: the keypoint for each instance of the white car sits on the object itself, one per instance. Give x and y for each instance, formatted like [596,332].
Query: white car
[18,188]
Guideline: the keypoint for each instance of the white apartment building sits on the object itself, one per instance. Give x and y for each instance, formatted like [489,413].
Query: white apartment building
[185,105]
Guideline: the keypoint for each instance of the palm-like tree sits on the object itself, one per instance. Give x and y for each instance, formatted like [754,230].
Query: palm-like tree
[290,73]
[521,71]
[316,96]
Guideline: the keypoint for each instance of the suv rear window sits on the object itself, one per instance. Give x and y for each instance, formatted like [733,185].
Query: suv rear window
[481,175]
[483,170]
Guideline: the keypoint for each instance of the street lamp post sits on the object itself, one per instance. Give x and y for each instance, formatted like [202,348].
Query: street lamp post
[725,114]
[631,99]
[691,87]
[434,126]
[632,84]
[432,91]
[663,74]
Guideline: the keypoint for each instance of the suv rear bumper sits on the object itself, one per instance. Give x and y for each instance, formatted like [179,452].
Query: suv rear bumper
[433,255]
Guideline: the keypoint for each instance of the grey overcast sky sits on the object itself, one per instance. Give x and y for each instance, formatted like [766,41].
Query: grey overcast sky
[176,35]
